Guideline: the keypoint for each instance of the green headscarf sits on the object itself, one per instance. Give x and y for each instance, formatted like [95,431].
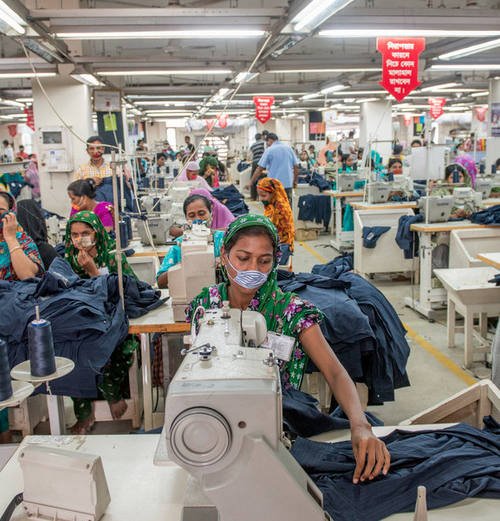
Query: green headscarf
[103,243]
[283,311]
[209,160]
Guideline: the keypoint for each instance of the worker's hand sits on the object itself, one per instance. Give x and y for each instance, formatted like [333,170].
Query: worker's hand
[247,187]
[86,262]
[97,180]
[371,454]
[9,226]
[294,184]
[461,213]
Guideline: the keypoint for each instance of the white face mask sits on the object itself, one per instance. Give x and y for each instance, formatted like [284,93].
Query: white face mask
[250,279]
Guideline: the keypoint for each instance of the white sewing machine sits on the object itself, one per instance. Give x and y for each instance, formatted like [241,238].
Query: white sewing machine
[195,271]
[159,226]
[439,207]
[378,192]
[223,424]
[346,182]
[156,203]
[484,185]
[464,195]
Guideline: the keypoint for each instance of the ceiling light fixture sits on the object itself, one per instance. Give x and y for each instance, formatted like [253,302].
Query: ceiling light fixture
[480,94]
[316,12]
[20,75]
[311,96]
[467,51]
[326,71]
[11,103]
[466,67]
[404,33]
[164,72]
[289,102]
[87,79]
[245,77]
[11,18]
[439,86]
[191,34]
[333,87]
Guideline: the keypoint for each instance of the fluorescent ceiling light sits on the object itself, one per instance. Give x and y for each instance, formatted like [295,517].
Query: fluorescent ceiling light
[11,103]
[480,94]
[326,71]
[334,88]
[463,67]
[192,34]
[363,100]
[275,94]
[438,87]
[87,79]
[164,72]
[245,77]
[403,33]
[11,18]
[316,12]
[456,90]
[19,75]
[25,100]
[289,102]
[467,51]
[311,96]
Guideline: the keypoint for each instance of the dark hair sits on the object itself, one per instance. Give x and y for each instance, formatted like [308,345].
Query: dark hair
[187,137]
[397,149]
[448,171]
[9,199]
[393,161]
[311,146]
[416,141]
[351,133]
[196,197]
[32,155]
[5,142]
[265,132]
[83,187]
[497,162]
[161,154]
[345,157]
[252,231]
[272,136]
[93,139]
[140,141]
[257,136]
[21,146]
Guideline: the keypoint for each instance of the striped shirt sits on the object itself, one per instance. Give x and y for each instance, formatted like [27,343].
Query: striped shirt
[88,170]
[257,150]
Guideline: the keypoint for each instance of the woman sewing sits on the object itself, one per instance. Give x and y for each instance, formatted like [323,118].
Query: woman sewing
[198,210]
[82,194]
[277,208]
[250,257]
[190,173]
[19,256]
[89,251]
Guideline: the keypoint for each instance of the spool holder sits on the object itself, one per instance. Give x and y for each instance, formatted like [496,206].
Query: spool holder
[20,391]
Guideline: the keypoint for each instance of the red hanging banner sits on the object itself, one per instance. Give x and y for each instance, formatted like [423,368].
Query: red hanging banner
[221,122]
[400,64]
[407,119]
[437,105]
[263,106]
[31,119]
[481,113]
[12,130]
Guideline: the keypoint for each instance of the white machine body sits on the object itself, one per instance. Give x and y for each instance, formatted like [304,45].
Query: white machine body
[181,189]
[63,485]
[484,185]
[463,195]
[156,203]
[55,149]
[159,227]
[378,192]
[439,207]
[223,424]
[402,183]
[195,271]
[346,182]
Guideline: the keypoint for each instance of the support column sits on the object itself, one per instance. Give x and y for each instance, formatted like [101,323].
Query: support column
[72,101]
[493,143]
[376,123]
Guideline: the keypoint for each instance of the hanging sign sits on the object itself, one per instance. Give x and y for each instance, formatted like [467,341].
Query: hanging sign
[30,118]
[12,130]
[220,122]
[263,106]
[437,105]
[481,113]
[407,119]
[400,64]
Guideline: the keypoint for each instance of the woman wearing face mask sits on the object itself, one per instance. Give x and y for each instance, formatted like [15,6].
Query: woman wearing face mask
[88,250]
[19,256]
[250,258]
[190,173]
[82,194]
[277,208]
[197,209]
[209,170]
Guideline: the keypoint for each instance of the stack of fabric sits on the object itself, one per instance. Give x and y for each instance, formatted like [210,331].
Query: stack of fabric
[232,199]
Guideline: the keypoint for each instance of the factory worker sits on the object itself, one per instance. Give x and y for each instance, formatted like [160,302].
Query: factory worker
[190,173]
[250,259]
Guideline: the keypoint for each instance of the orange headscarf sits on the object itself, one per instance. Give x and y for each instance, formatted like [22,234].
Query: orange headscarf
[278,209]
[330,146]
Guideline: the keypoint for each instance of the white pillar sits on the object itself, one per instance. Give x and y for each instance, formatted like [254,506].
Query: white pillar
[376,124]
[493,143]
[72,101]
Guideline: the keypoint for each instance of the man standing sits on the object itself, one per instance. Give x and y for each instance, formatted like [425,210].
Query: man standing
[97,168]
[256,152]
[22,153]
[7,152]
[281,163]
[189,145]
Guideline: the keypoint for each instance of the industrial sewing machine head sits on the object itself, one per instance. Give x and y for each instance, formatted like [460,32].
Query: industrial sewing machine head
[484,185]
[159,228]
[378,192]
[223,424]
[465,196]
[438,206]
[346,182]
[156,203]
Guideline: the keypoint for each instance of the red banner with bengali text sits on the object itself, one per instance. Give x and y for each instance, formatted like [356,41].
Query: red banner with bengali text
[31,119]
[481,113]
[408,119]
[221,122]
[263,106]
[12,130]
[400,64]
[436,105]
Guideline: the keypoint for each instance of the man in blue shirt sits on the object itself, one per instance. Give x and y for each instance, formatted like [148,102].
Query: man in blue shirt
[281,163]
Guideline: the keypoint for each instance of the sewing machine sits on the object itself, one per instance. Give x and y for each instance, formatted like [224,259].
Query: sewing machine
[223,424]
[484,185]
[439,207]
[156,203]
[466,196]
[346,182]
[195,271]
[378,192]
[159,226]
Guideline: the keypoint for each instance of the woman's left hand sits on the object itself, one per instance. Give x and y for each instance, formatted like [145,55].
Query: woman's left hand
[371,454]
[9,226]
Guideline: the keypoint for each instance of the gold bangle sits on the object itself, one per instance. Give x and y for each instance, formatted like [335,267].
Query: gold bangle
[14,249]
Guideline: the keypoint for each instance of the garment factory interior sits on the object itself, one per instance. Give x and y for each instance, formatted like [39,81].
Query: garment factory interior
[345,151]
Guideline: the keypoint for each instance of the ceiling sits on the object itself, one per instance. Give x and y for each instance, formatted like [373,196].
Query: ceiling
[138,48]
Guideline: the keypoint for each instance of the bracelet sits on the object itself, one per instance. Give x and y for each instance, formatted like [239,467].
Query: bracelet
[14,249]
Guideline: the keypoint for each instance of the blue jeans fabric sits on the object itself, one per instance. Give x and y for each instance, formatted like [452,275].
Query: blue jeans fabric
[316,180]
[87,320]
[371,235]
[105,193]
[489,216]
[230,197]
[335,267]
[453,464]
[316,208]
[408,240]
[285,253]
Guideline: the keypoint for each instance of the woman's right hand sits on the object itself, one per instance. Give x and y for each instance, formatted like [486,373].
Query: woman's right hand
[9,226]
[86,262]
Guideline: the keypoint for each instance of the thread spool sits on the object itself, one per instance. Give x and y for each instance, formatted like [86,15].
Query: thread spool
[390,176]
[167,169]
[128,220]
[41,344]
[5,381]
[156,204]
[145,182]
[161,183]
[123,234]
[456,176]
[176,171]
